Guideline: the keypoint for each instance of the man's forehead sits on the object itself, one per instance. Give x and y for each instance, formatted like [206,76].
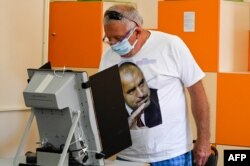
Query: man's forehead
[115,26]
[132,76]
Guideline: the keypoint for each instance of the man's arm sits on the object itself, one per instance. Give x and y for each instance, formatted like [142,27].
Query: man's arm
[200,110]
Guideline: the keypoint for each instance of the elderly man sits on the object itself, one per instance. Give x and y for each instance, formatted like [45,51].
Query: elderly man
[169,67]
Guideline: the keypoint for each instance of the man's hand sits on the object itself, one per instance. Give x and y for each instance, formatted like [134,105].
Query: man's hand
[202,151]
[133,117]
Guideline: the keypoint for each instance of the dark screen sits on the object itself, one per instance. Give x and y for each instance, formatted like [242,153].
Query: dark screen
[110,111]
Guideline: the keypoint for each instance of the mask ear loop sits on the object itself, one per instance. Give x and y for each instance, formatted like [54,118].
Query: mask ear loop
[131,33]
[133,46]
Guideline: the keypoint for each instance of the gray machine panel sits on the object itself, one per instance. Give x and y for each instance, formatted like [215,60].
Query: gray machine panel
[49,90]
[56,99]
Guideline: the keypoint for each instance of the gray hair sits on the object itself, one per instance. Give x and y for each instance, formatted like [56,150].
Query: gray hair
[130,15]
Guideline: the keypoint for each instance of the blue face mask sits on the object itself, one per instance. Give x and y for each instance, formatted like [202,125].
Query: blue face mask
[123,47]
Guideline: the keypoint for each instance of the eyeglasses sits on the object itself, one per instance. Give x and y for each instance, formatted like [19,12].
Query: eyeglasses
[114,15]
[107,41]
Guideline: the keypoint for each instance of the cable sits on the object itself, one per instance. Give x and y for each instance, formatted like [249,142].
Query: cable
[64,68]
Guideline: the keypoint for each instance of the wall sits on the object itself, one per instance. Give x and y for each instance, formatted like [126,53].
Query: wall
[12,125]
[21,47]
[233,76]
[234,39]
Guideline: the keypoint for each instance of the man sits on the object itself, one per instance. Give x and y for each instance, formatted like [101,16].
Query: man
[141,102]
[169,67]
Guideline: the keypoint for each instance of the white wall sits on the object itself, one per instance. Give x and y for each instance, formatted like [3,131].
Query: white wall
[234,33]
[21,47]
[21,34]
[12,125]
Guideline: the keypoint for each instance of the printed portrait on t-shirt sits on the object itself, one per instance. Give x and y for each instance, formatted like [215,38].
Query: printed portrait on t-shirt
[141,101]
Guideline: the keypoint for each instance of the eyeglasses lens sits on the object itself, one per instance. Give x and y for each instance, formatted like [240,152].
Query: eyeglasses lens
[114,15]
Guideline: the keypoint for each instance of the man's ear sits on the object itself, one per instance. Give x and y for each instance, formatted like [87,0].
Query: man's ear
[138,31]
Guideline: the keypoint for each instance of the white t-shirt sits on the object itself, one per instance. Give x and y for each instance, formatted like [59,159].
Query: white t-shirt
[168,66]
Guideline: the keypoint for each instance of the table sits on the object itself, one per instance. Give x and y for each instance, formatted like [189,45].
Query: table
[9,162]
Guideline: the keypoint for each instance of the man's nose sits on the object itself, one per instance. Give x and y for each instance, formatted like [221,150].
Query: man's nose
[139,92]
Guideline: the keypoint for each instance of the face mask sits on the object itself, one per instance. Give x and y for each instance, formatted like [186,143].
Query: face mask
[123,47]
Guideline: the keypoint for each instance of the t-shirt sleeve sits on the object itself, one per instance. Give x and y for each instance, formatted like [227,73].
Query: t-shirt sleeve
[188,69]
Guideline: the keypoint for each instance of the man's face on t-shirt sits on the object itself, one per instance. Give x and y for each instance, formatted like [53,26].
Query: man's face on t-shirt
[135,88]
